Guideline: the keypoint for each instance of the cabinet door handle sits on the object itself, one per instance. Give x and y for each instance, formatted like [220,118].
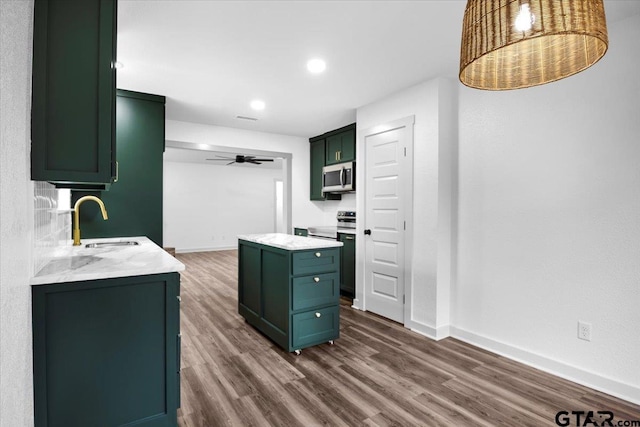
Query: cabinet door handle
[348,237]
[179,298]
[339,155]
[316,279]
[318,314]
[117,171]
[318,254]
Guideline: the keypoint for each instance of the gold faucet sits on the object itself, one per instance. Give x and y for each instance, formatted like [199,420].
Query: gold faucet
[76,216]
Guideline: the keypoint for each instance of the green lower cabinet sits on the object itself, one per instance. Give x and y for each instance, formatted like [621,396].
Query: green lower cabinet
[106,352]
[300,232]
[293,297]
[315,326]
[348,264]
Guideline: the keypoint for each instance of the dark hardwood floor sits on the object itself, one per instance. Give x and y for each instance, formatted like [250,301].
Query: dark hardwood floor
[377,374]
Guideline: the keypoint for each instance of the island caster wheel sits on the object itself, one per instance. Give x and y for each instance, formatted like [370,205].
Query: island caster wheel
[330,342]
[298,352]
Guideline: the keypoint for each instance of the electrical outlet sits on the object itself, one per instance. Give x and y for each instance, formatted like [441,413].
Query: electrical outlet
[584,331]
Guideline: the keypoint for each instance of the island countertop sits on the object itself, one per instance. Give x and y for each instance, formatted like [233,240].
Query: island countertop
[290,242]
[68,263]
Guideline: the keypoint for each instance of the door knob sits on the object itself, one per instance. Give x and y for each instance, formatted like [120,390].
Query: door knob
[367,232]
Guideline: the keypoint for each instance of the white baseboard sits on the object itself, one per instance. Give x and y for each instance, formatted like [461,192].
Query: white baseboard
[427,330]
[616,388]
[189,250]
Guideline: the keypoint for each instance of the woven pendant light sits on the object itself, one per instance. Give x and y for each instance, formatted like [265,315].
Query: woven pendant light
[514,44]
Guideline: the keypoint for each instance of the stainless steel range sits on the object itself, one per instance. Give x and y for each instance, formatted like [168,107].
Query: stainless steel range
[345,223]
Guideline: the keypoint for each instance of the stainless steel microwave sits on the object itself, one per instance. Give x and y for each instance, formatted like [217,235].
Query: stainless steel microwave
[339,178]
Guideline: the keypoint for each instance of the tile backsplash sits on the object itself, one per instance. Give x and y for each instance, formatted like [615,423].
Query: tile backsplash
[52,225]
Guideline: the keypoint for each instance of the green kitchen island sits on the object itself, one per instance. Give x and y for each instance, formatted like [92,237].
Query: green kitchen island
[289,288]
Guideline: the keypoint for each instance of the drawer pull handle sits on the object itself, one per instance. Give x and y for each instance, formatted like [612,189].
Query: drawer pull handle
[316,279]
[318,254]
[318,314]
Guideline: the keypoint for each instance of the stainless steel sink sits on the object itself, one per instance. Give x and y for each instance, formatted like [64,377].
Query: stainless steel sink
[109,244]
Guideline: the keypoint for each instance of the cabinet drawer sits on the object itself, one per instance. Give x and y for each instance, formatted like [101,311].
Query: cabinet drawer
[315,290]
[315,326]
[316,261]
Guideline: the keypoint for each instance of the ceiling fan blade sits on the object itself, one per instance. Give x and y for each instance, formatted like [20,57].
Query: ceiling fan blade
[219,159]
[263,160]
[253,161]
[230,163]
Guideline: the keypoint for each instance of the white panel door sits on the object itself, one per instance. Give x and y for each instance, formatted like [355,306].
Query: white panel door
[384,217]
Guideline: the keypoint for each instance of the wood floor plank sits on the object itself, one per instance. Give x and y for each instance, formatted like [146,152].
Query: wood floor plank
[378,373]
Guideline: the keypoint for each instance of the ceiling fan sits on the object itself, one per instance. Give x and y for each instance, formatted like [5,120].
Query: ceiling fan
[242,159]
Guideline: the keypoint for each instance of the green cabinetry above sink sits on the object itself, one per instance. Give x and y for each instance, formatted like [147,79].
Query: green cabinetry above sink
[134,201]
[73,94]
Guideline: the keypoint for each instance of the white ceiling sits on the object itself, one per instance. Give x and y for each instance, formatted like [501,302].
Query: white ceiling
[211,58]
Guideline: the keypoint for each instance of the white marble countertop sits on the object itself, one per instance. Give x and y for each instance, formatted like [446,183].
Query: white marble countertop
[290,242]
[68,263]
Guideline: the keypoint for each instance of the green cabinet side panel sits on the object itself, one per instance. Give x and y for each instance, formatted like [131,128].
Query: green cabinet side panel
[317,163]
[73,93]
[134,202]
[348,264]
[275,289]
[106,352]
[249,278]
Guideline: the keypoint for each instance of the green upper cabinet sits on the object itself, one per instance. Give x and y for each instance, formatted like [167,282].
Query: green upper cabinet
[73,94]
[337,144]
[134,201]
[341,147]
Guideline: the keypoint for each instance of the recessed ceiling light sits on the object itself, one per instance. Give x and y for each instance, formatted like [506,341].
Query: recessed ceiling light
[257,104]
[316,65]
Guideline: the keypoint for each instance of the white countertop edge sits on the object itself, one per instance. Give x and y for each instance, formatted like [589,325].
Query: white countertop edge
[290,242]
[148,258]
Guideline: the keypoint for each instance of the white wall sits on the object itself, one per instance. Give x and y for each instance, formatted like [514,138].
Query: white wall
[432,103]
[549,220]
[16,214]
[304,212]
[207,206]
